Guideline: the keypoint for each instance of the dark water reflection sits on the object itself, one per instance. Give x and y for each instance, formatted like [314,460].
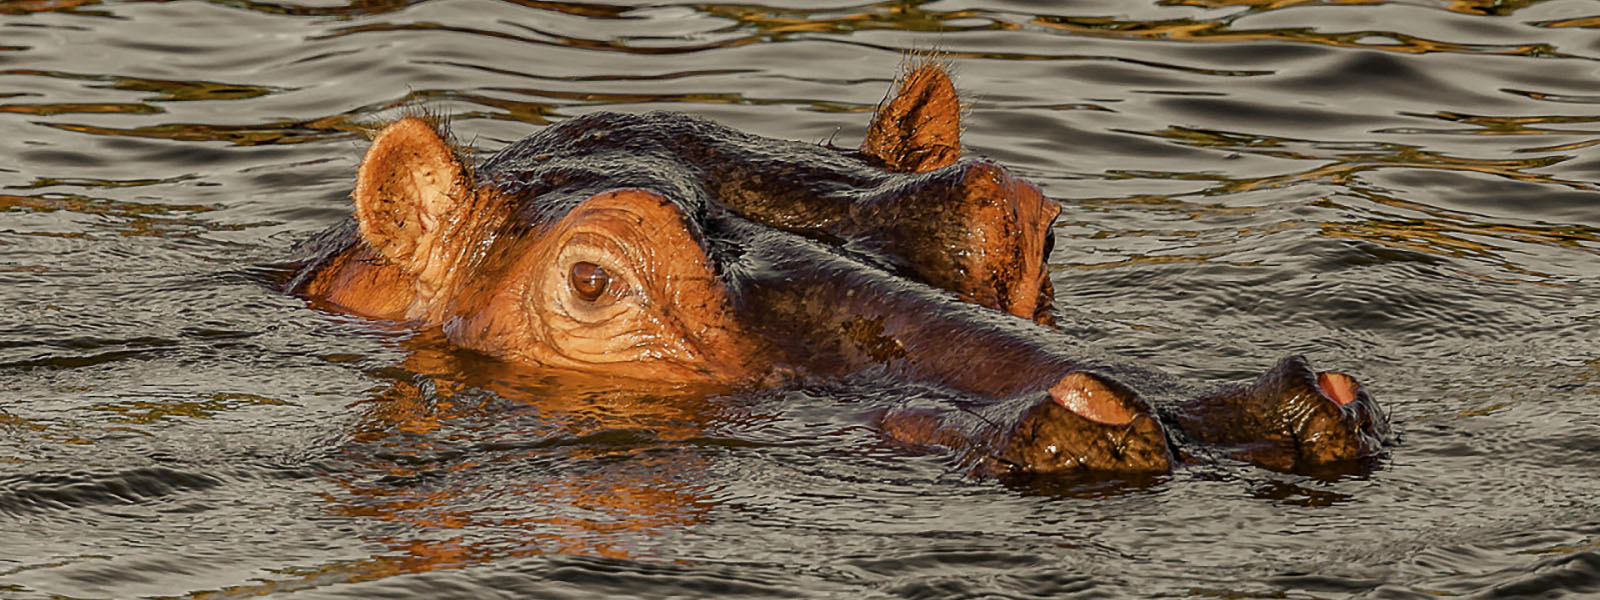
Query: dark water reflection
[1403,190]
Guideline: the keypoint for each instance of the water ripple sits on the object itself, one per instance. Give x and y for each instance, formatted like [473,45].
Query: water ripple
[1405,191]
[44,492]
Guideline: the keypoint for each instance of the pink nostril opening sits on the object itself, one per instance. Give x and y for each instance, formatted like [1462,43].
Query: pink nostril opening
[1086,396]
[1338,387]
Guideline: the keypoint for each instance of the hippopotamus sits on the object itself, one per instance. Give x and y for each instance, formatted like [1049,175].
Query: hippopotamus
[663,248]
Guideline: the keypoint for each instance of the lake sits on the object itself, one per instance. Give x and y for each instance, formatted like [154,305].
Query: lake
[1405,190]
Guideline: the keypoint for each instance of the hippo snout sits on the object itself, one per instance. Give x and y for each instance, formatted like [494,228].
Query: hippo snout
[1084,424]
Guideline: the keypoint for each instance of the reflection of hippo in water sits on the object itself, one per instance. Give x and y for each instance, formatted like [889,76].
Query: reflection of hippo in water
[667,249]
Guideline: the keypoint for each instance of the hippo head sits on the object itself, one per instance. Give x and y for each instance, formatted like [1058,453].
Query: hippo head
[627,245]
[662,248]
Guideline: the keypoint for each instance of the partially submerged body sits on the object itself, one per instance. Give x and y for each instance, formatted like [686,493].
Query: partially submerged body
[666,248]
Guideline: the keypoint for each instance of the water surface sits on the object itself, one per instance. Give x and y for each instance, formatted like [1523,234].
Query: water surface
[1403,190]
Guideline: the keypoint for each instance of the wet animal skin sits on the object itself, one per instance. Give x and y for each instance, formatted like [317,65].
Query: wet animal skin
[666,249]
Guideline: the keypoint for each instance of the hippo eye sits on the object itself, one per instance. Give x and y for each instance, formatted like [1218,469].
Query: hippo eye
[589,280]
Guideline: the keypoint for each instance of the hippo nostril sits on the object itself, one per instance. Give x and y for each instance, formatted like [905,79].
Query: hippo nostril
[1088,425]
[1338,387]
[1092,399]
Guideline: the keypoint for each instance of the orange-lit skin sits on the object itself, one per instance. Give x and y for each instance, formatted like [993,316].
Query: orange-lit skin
[912,133]
[361,282]
[442,261]
[492,310]
[682,334]
[433,252]
[1008,218]
[920,267]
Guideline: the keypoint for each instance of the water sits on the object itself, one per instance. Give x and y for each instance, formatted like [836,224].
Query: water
[1404,190]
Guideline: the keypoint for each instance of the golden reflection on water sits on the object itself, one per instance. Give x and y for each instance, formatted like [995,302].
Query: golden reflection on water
[1345,170]
[131,218]
[1498,8]
[93,206]
[896,16]
[667,76]
[538,113]
[1476,7]
[577,9]
[19,430]
[1446,234]
[89,182]
[279,132]
[585,514]
[1489,125]
[352,123]
[1219,30]
[768,25]
[1442,233]
[954,54]
[163,90]
[359,8]
[355,8]
[58,109]
[1569,236]
[1554,97]
[1345,166]
[1145,259]
[1267,5]
[779,25]
[545,38]
[1582,22]
[23,7]
[1439,232]
[621,495]
[172,90]
[694,98]
[145,412]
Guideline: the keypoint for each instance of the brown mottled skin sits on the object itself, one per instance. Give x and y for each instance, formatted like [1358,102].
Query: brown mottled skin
[666,249]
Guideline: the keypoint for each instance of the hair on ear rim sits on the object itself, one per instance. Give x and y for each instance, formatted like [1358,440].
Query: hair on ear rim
[437,119]
[917,127]
[409,184]
[912,61]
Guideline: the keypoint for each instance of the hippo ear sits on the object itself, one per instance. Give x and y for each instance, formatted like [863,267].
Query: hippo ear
[920,129]
[407,186]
